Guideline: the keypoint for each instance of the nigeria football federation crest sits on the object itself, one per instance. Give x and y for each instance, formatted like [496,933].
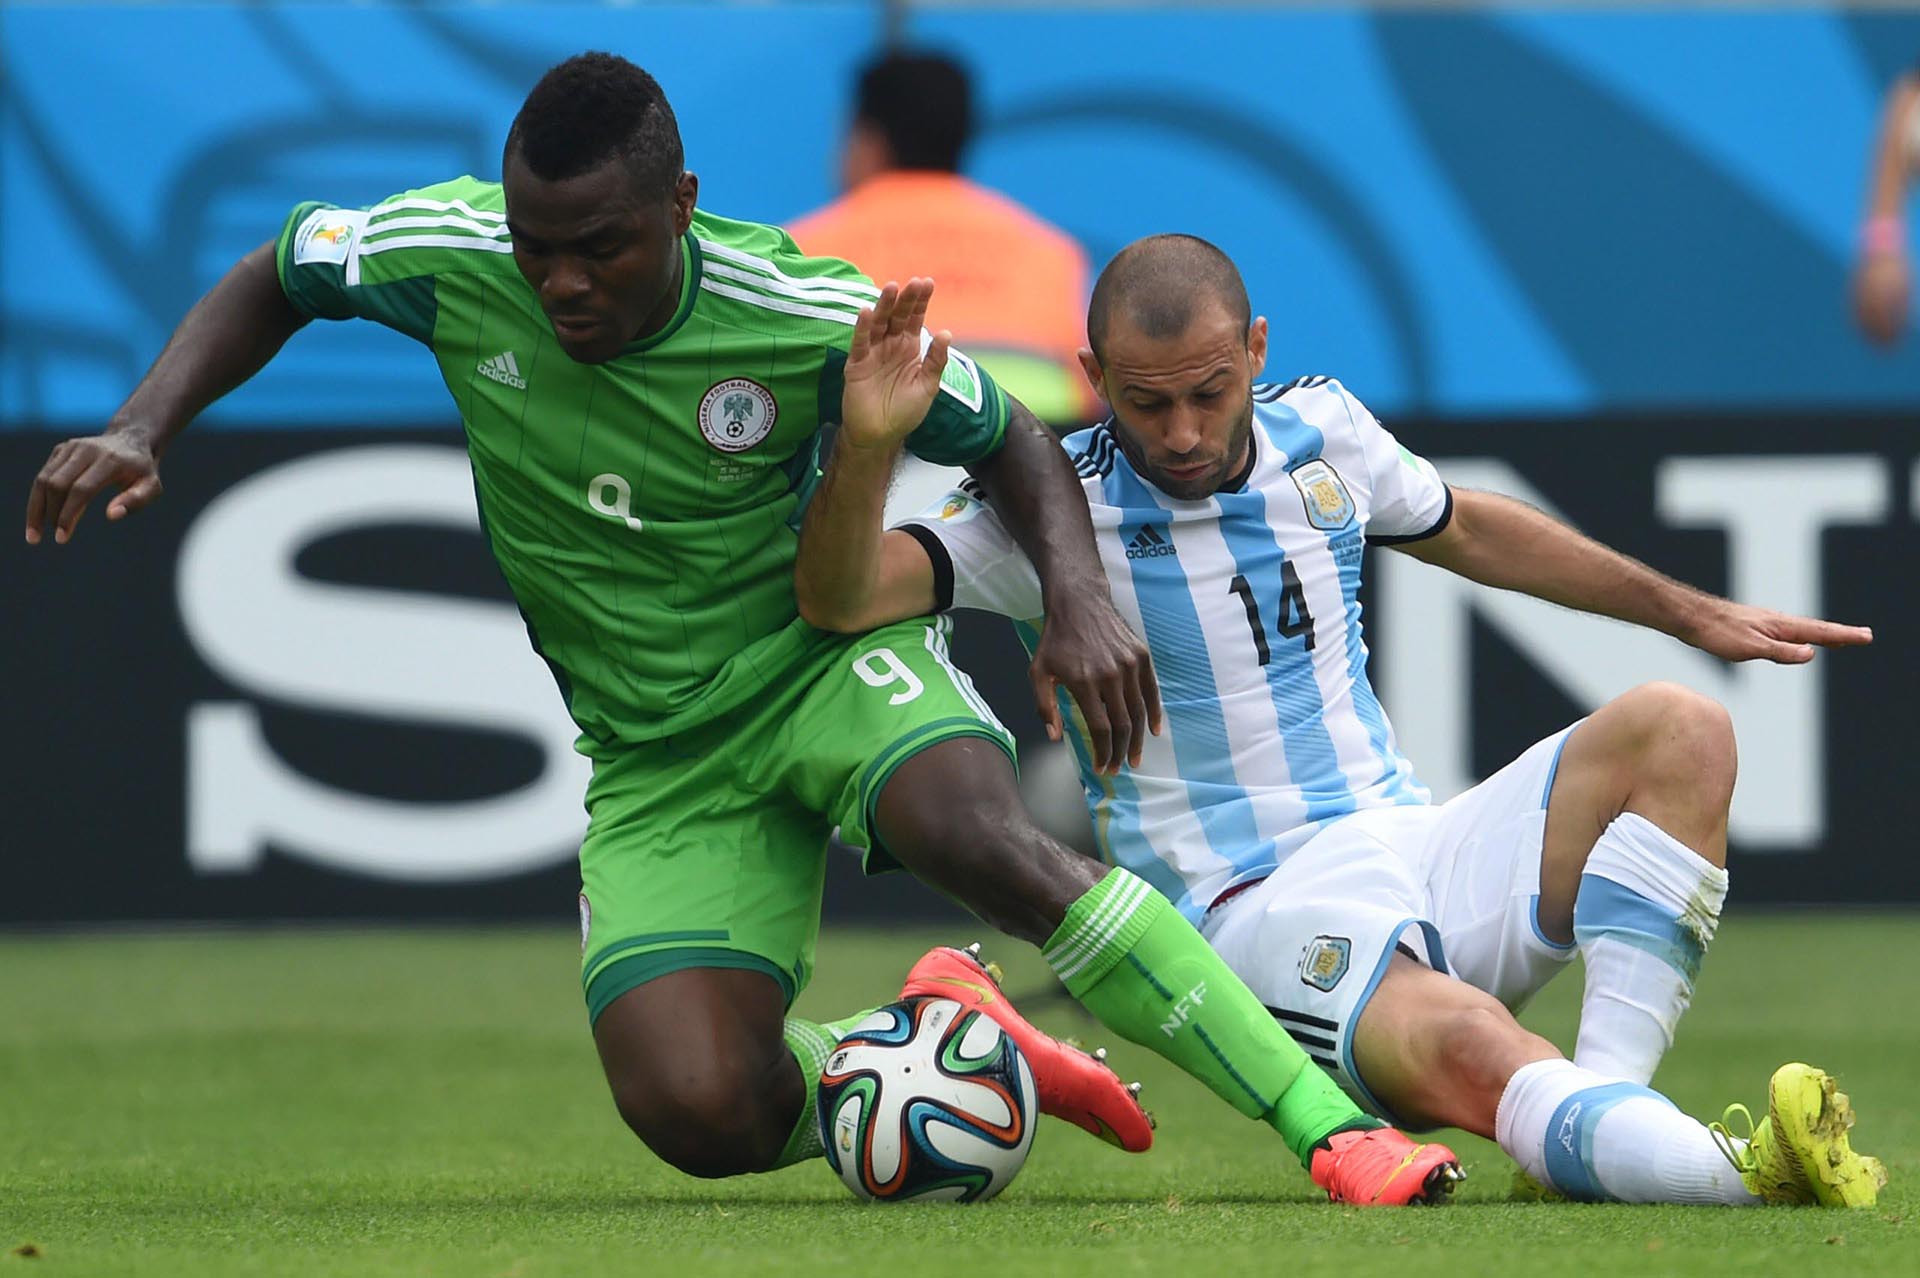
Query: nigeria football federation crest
[1325,961]
[737,414]
[1329,505]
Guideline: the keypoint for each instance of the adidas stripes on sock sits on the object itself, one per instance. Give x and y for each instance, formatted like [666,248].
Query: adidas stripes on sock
[811,1044]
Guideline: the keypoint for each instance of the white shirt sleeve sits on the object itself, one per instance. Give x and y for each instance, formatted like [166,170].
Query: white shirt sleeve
[976,562]
[1410,501]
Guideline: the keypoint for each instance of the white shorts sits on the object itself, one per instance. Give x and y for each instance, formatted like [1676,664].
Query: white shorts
[1455,886]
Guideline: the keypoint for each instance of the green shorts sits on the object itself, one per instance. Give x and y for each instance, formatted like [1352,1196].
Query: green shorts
[708,848]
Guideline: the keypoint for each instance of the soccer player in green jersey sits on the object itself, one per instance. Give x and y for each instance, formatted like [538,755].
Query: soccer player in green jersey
[643,385]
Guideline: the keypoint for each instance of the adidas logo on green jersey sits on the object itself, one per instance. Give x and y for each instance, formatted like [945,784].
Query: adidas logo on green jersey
[503,368]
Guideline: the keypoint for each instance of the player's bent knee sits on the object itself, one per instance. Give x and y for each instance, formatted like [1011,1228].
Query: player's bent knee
[707,1118]
[1683,735]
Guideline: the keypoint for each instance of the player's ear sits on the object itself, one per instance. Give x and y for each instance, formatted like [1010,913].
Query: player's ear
[686,193]
[1091,367]
[1257,344]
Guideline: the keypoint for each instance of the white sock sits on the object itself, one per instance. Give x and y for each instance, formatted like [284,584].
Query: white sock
[1600,1140]
[1646,911]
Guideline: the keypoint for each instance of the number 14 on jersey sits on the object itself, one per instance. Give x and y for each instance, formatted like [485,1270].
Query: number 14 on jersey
[1295,619]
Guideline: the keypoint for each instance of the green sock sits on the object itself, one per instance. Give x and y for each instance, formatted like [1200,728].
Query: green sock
[1126,954]
[844,1026]
[1313,1109]
[811,1044]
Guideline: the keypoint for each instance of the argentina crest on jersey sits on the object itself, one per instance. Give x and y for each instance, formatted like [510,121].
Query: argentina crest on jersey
[1329,504]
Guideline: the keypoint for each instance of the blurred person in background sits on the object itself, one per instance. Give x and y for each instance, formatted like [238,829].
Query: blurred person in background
[1882,283]
[1013,287]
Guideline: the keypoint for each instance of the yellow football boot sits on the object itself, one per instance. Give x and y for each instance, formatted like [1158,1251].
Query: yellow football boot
[1799,1152]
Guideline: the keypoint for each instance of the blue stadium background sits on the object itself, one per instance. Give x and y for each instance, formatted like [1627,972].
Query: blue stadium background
[1461,213]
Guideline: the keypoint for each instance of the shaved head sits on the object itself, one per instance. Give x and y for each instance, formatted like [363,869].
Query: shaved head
[1159,284]
[1174,353]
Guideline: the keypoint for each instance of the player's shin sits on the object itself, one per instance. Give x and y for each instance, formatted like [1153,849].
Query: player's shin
[1597,1139]
[1137,965]
[1646,910]
[811,1043]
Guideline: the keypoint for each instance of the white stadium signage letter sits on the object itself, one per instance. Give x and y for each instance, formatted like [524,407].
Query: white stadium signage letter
[1772,509]
[386,653]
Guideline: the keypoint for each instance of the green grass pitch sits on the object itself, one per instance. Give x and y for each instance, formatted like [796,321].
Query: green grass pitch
[428,1103]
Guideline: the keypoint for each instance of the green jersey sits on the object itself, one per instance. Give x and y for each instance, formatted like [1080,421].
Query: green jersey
[645,511]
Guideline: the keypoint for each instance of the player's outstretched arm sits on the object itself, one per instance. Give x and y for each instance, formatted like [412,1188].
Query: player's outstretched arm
[1500,542]
[227,337]
[1883,277]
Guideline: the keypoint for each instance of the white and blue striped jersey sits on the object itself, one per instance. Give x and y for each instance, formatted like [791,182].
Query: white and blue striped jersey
[1249,603]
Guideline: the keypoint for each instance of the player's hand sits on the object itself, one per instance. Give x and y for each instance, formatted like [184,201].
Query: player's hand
[1086,648]
[1881,290]
[890,379]
[1737,632]
[78,470]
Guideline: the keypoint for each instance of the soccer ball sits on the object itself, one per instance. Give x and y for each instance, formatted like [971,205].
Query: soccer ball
[927,1101]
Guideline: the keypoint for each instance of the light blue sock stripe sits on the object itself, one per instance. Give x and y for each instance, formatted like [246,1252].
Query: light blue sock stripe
[1570,1138]
[1611,910]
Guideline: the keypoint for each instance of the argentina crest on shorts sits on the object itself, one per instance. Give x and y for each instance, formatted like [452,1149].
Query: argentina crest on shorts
[1328,503]
[1325,961]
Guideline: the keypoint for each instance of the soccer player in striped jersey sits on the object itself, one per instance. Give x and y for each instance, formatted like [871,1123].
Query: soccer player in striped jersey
[1392,936]
[643,385]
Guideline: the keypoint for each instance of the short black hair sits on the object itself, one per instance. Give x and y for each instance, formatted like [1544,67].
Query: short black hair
[590,109]
[1161,281]
[922,104]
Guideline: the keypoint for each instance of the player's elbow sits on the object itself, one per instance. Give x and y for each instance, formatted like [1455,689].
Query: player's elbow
[819,610]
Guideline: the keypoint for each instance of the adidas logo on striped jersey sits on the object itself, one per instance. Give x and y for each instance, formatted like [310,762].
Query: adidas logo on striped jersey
[1148,544]
[505,369]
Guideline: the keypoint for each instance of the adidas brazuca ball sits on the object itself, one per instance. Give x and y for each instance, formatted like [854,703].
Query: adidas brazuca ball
[927,1101]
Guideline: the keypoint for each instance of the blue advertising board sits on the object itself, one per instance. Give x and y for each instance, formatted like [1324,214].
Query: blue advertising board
[1459,213]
